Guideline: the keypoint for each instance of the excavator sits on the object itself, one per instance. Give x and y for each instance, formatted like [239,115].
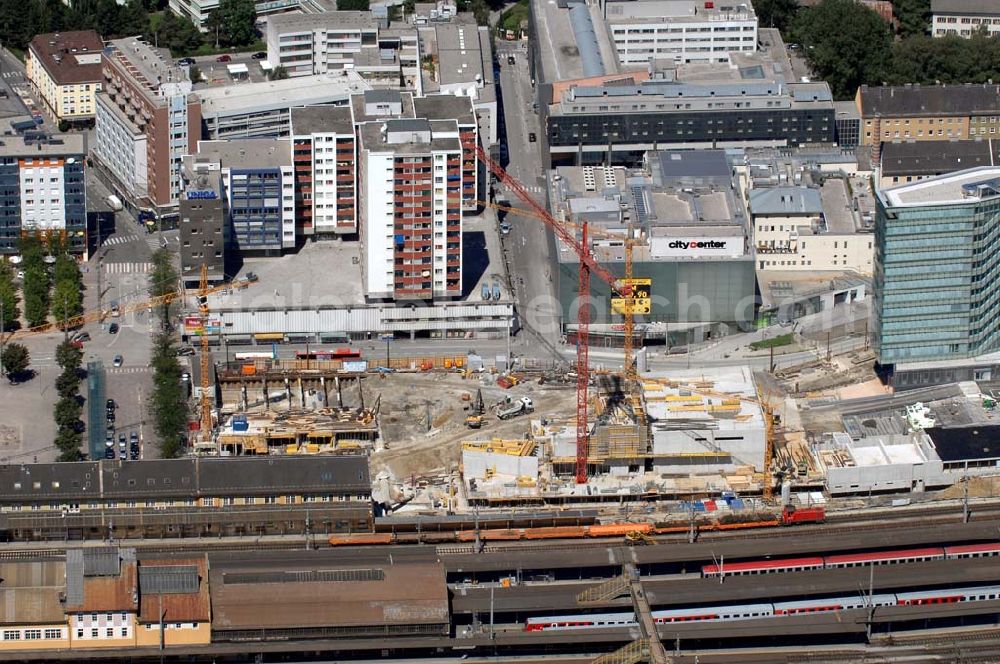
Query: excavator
[475,419]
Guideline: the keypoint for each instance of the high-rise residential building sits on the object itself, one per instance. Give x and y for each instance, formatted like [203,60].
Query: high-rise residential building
[65,68]
[410,178]
[323,144]
[258,190]
[325,153]
[204,232]
[937,291]
[147,120]
[42,189]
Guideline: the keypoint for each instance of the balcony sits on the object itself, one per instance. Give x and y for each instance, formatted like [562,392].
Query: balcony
[776,250]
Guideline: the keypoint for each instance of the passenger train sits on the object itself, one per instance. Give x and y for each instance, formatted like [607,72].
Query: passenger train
[852,560]
[754,611]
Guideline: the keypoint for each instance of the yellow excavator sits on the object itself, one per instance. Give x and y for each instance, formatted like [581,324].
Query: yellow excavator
[475,419]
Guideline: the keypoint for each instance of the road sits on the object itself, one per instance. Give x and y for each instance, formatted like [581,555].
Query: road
[529,246]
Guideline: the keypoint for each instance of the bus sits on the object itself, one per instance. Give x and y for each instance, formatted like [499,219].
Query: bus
[343,353]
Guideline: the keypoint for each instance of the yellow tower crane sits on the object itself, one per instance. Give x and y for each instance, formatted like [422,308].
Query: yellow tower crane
[206,361]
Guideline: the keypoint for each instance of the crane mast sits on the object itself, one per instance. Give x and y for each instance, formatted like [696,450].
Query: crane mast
[588,266]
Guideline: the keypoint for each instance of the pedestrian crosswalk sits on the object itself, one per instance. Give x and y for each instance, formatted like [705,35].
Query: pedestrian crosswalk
[12,74]
[127,370]
[120,239]
[127,268]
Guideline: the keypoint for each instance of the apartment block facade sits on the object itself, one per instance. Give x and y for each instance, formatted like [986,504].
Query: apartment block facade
[65,69]
[928,112]
[42,189]
[326,153]
[204,231]
[306,44]
[258,188]
[682,31]
[147,103]
[410,175]
[964,17]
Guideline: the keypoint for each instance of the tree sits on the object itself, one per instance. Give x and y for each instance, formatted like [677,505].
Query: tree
[69,357]
[67,301]
[279,73]
[36,281]
[238,20]
[68,384]
[776,13]
[177,33]
[194,73]
[8,298]
[163,279]
[353,5]
[15,359]
[914,16]
[67,412]
[846,44]
[168,401]
[481,11]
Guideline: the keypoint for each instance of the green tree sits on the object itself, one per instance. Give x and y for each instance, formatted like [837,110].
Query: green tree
[238,20]
[68,442]
[914,16]
[67,412]
[279,73]
[845,58]
[481,10]
[68,384]
[8,298]
[68,356]
[177,33]
[168,401]
[776,13]
[353,5]
[36,281]
[67,301]
[195,73]
[163,279]
[15,359]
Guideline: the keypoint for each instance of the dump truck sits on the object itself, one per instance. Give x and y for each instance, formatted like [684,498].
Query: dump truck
[514,408]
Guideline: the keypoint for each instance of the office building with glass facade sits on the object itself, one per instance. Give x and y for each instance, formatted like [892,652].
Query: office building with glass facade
[937,275]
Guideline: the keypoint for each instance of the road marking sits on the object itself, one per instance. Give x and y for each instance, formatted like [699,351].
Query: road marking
[128,370]
[127,268]
[121,239]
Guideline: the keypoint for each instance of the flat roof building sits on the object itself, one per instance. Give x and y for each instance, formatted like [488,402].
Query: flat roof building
[935,299]
[689,231]
[59,208]
[617,118]
[65,68]
[147,120]
[262,110]
[677,31]
[912,161]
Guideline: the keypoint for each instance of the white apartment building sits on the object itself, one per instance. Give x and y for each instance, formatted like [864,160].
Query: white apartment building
[306,44]
[411,209]
[964,17]
[792,232]
[681,31]
[122,148]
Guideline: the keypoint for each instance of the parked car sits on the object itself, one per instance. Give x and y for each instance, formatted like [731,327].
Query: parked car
[113,328]
[110,405]
[185,350]
[505,227]
[109,453]
[81,336]
[123,455]
[133,439]
[185,62]
[76,343]
[510,59]
[532,137]
[118,361]
[224,58]
[259,55]
[109,440]
[134,454]
[121,441]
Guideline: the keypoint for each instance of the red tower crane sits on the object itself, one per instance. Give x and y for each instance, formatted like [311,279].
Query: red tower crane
[588,266]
